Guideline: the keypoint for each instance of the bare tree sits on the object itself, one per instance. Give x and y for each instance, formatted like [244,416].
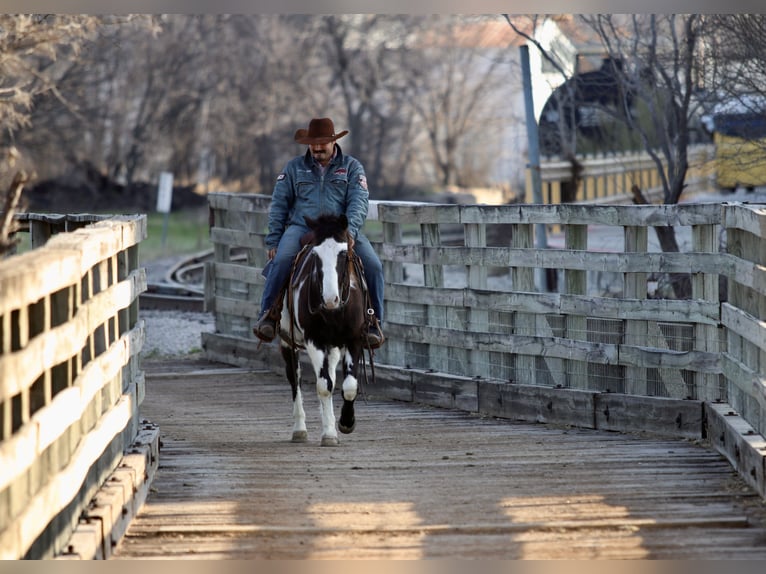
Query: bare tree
[34,50]
[218,97]
[364,55]
[456,85]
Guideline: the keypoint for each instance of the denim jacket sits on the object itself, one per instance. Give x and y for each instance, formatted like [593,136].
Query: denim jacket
[301,190]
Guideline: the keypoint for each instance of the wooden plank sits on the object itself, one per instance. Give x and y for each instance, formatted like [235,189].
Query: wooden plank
[699,361]
[475,235]
[744,324]
[30,276]
[117,501]
[687,311]
[239,201]
[66,409]
[515,490]
[414,212]
[630,413]
[446,391]
[237,238]
[750,218]
[62,487]
[18,371]
[239,272]
[536,404]
[735,438]
[588,214]
[560,259]
[576,323]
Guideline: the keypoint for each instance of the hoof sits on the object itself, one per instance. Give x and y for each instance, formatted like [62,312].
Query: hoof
[330,441]
[300,436]
[347,430]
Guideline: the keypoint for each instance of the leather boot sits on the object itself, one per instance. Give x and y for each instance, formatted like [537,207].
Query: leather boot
[266,327]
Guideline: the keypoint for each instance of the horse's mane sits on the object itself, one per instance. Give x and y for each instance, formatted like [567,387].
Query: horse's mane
[327,225]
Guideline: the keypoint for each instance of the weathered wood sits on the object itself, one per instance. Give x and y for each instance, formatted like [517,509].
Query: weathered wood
[69,384]
[62,342]
[745,449]
[559,259]
[744,324]
[421,483]
[625,342]
[117,501]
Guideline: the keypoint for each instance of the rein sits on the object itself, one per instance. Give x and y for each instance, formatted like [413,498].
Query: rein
[353,266]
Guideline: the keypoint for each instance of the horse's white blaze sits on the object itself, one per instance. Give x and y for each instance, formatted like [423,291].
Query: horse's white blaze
[328,254]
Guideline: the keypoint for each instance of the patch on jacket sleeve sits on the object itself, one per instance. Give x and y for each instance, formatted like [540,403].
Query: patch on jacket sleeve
[363,182]
[280,177]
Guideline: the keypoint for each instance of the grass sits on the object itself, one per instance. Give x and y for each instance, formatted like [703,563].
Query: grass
[187,232]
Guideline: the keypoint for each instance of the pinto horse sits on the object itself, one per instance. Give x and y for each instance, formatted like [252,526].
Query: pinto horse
[324,315]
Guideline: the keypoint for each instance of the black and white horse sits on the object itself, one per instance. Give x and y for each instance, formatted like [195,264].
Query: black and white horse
[324,315]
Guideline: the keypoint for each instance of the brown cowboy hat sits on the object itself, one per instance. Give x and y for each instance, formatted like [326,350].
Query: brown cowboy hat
[321,131]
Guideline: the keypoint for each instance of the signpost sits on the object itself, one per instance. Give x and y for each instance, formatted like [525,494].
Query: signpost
[164,201]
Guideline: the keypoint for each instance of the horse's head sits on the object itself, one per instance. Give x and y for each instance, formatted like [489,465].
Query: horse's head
[329,235]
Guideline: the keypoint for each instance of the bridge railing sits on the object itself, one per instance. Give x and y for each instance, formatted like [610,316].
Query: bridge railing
[70,378]
[609,177]
[468,325]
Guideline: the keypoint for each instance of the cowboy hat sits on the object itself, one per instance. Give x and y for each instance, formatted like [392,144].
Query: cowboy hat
[321,131]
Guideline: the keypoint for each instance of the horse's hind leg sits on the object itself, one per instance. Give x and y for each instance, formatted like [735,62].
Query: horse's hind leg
[293,372]
[347,421]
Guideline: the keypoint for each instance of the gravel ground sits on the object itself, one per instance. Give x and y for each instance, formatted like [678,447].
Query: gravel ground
[174,333]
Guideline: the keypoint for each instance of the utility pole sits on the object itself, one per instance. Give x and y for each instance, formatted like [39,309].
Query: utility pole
[541,241]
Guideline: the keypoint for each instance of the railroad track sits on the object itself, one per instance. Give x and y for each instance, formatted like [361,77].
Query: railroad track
[181,287]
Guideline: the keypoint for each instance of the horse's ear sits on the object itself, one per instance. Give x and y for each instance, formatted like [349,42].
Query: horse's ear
[310,222]
[343,220]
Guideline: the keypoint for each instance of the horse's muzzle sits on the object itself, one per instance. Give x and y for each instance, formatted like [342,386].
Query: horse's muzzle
[331,303]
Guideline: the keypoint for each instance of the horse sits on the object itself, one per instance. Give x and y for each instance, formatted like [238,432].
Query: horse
[323,314]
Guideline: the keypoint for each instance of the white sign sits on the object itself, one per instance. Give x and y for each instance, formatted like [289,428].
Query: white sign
[165,192]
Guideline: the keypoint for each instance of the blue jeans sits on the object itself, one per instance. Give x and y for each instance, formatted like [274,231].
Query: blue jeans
[290,246]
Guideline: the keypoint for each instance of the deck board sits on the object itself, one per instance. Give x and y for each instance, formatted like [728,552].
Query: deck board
[419,482]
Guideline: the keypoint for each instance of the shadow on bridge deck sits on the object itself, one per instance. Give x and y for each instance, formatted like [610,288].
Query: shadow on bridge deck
[418,482]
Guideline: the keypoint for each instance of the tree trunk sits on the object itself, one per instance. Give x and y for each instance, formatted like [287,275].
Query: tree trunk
[666,235]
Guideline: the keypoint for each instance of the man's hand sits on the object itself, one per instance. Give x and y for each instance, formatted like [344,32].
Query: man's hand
[350,242]
[272,252]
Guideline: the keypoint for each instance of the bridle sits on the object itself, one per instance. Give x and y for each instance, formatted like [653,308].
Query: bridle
[304,265]
[315,286]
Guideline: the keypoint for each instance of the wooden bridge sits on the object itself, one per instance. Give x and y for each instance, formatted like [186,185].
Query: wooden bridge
[414,481]
[654,406]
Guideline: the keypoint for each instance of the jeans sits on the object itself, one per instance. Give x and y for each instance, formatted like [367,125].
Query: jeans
[290,246]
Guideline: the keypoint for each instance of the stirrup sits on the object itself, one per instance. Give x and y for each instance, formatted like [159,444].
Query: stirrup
[265,321]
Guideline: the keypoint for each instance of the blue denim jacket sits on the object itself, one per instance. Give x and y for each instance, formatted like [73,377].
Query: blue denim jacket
[301,190]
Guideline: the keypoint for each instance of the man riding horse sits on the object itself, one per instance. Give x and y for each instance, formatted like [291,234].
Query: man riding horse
[322,181]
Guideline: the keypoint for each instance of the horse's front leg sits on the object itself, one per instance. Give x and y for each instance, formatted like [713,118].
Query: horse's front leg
[349,390]
[293,372]
[325,363]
